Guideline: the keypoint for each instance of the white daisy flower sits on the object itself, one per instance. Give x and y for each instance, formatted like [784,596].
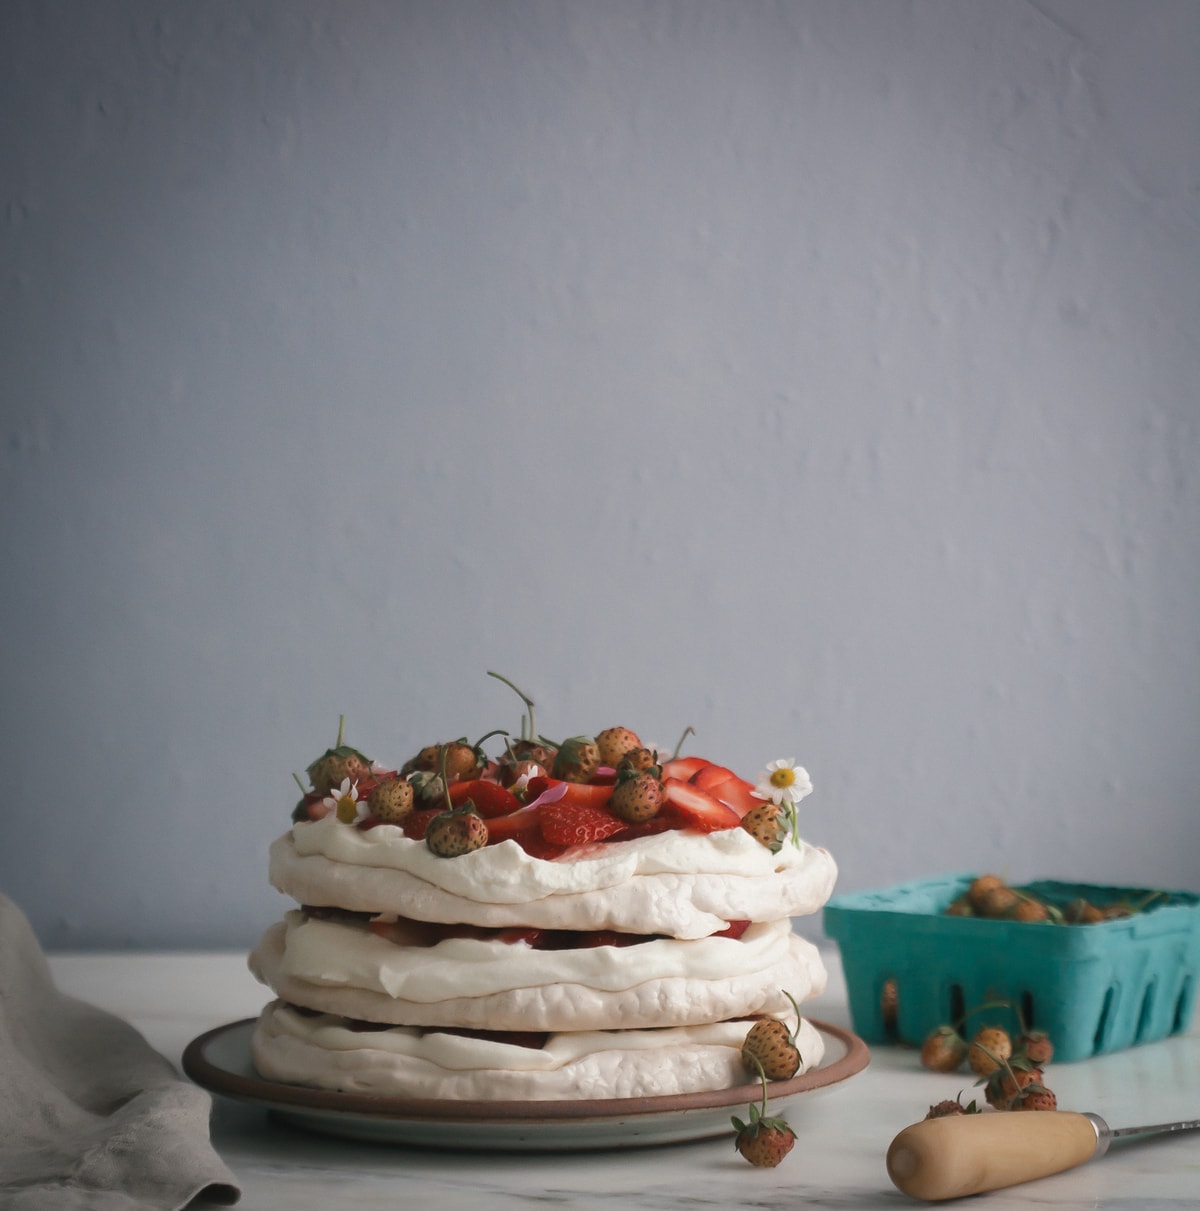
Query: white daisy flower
[345,803]
[783,782]
[522,780]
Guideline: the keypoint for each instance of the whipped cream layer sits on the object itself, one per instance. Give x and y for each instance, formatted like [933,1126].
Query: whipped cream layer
[323,1052]
[346,969]
[683,883]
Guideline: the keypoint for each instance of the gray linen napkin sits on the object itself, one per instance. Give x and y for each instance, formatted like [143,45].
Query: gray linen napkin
[91,1117]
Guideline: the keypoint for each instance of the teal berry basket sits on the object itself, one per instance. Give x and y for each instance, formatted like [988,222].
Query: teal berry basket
[1092,988]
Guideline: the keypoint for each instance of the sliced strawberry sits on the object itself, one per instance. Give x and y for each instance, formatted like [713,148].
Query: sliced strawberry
[572,823]
[311,807]
[661,823]
[404,932]
[583,794]
[684,768]
[532,1039]
[528,934]
[518,826]
[698,809]
[490,798]
[709,775]
[608,937]
[736,793]
[735,929]
[536,846]
[416,822]
[441,932]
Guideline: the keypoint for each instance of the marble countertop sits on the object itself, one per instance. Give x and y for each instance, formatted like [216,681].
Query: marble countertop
[838,1161]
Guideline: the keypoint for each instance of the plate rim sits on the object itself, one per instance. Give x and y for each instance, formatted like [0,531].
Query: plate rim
[201,1069]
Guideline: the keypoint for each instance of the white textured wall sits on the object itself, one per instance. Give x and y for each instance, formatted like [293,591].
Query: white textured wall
[821,374]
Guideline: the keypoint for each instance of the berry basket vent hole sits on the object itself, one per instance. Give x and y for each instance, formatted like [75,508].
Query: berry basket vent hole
[1102,1023]
[957,1007]
[1183,1007]
[1145,1013]
[889,1009]
[1028,1017]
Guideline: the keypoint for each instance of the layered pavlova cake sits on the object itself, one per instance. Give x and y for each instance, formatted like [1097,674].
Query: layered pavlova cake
[590,919]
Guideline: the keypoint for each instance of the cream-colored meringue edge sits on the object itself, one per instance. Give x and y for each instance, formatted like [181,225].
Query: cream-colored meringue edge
[683,883]
[347,970]
[323,1053]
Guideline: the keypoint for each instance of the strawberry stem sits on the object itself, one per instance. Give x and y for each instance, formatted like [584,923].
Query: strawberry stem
[446,781]
[687,731]
[524,697]
[1148,899]
[762,1076]
[792,1035]
[303,788]
[995,1003]
[496,731]
[341,728]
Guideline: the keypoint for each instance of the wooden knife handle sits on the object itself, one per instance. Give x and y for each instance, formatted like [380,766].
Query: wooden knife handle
[969,1153]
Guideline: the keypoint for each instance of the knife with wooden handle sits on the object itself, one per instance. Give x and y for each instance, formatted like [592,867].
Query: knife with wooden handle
[965,1154]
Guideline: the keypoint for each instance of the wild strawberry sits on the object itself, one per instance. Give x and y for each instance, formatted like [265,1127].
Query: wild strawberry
[767,823]
[518,775]
[1036,1046]
[763,1141]
[1003,1086]
[637,797]
[391,800]
[943,1050]
[997,903]
[456,758]
[1039,1098]
[533,750]
[639,761]
[337,764]
[457,831]
[980,887]
[427,786]
[950,1107]
[567,823]
[989,1048]
[1028,910]
[889,1005]
[524,757]
[771,1047]
[577,759]
[613,743]
[1081,912]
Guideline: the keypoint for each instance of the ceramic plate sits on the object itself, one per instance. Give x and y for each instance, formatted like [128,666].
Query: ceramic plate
[220,1061]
